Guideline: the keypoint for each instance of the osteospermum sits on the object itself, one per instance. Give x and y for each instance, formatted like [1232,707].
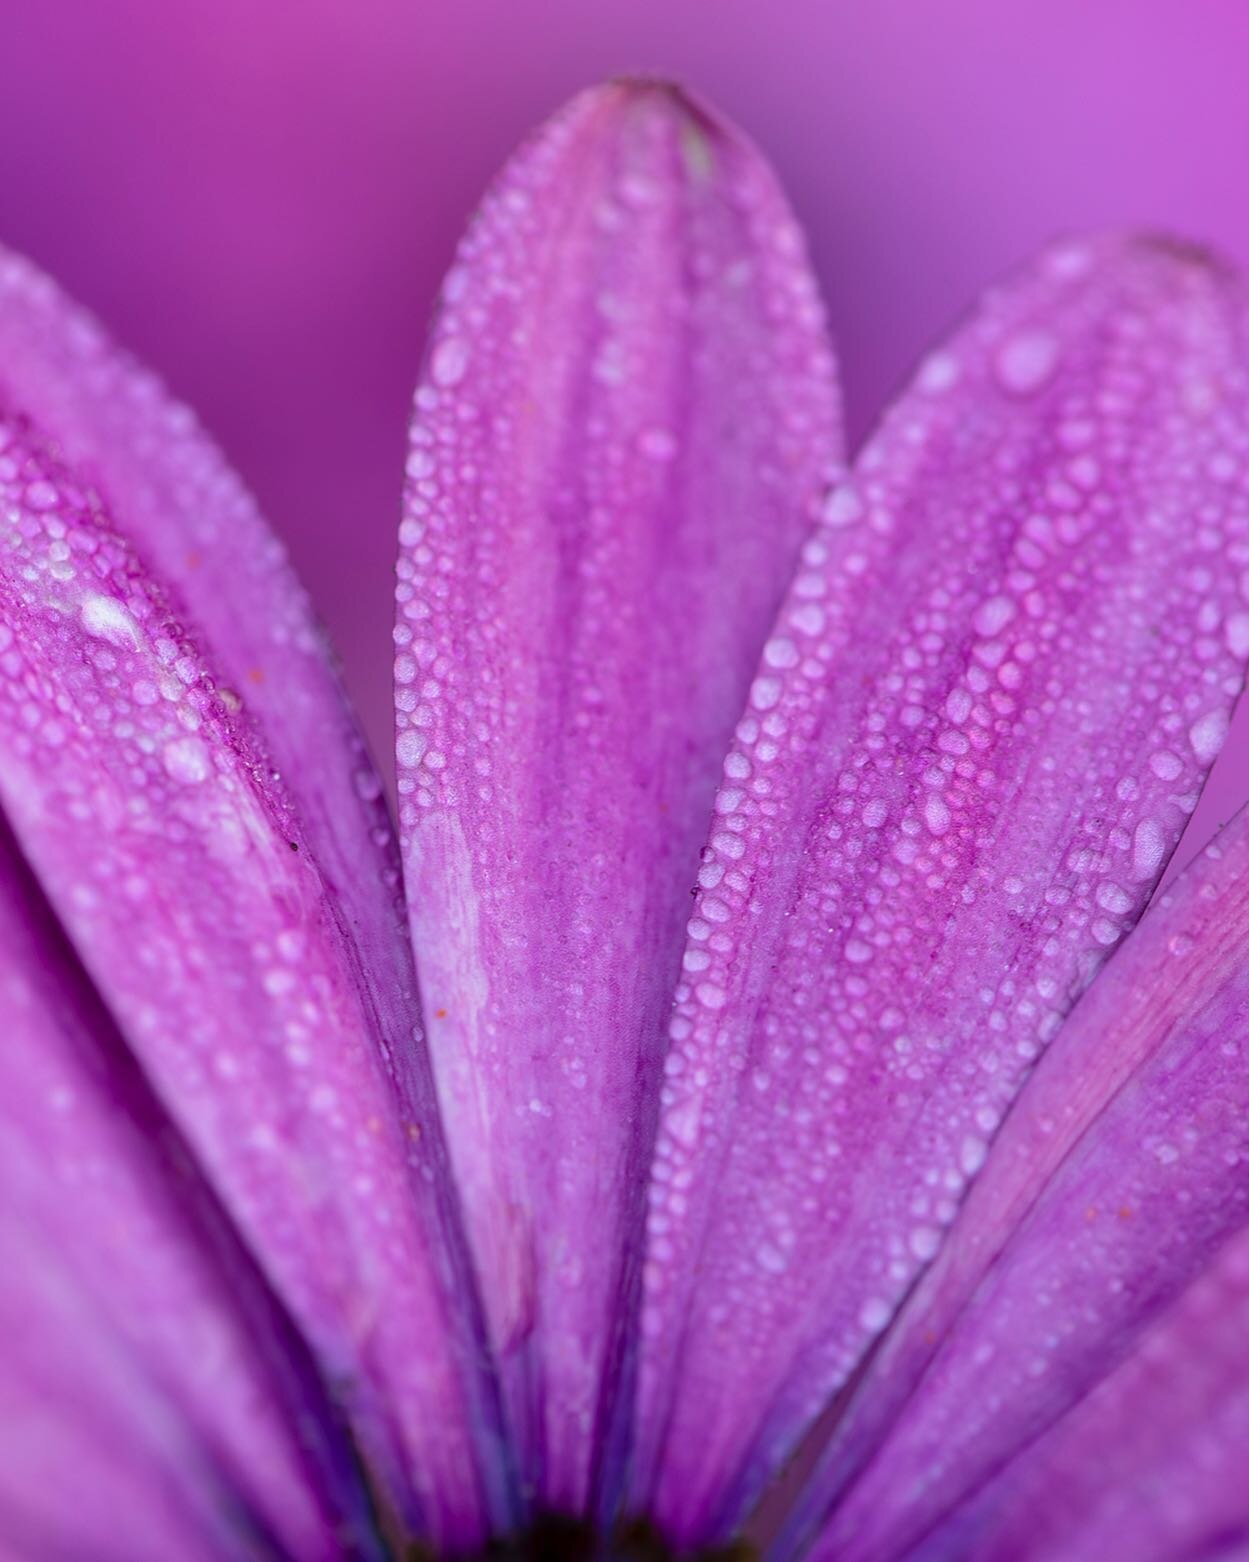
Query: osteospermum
[746,1164]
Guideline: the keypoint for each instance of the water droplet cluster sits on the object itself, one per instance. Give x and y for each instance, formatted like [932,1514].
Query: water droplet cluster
[1115,1182]
[1149,1465]
[189,884]
[1006,661]
[628,402]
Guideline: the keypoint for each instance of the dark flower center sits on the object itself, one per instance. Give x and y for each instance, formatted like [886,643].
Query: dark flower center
[553,1538]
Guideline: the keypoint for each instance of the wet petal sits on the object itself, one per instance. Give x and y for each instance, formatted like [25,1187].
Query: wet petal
[997,685]
[190,518]
[1152,1465]
[1116,1179]
[625,421]
[197,899]
[129,1304]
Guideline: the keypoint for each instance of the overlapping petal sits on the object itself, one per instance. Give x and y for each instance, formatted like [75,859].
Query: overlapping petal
[148,1378]
[244,962]
[986,711]
[625,422]
[1115,1182]
[100,1466]
[1152,1465]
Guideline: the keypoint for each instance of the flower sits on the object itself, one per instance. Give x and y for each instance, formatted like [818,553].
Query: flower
[787,1144]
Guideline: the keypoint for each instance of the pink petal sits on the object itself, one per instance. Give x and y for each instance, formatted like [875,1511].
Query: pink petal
[96,1465]
[208,910]
[1115,1180]
[986,712]
[128,1302]
[1152,1465]
[625,422]
[189,516]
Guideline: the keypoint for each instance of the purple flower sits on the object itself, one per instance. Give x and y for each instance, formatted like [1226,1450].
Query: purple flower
[670,1199]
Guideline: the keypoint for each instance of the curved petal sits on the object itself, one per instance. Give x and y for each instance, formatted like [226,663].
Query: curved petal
[985,714]
[129,1304]
[624,425]
[1116,1179]
[196,898]
[1151,1466]
[191,520]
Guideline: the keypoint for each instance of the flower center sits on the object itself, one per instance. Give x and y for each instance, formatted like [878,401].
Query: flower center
[554,1538]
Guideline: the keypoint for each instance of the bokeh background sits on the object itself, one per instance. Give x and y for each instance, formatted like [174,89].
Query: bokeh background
[259,196]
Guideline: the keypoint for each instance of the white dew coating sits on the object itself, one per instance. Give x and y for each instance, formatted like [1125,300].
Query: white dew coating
[942,820]
[191,890]
[627,419]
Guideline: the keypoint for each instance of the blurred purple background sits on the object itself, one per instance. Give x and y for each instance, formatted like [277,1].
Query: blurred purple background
[259,196]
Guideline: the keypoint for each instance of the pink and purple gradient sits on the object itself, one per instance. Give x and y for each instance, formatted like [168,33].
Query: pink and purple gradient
[261,198]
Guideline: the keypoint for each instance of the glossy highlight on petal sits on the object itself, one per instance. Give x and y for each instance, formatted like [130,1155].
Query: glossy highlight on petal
[989,703]
[248,974]
[626,421]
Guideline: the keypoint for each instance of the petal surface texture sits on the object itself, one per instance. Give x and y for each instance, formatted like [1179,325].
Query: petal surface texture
[147,1374]
[626,423]
[984,716]
[1152,1465]
[209,840]
[1115,1184]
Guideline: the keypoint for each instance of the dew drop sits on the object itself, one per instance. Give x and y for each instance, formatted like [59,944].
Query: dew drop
[449,362]
[1207,734]
[1025,361]
[107,619]
[843,507]
[187,759]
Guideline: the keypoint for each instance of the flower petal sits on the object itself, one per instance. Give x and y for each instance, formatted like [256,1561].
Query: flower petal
[198,901]
[1152,1465]
[190,518]
[96,1464]
[985,714]
[1116,1179]
[128,1301]
[624,425]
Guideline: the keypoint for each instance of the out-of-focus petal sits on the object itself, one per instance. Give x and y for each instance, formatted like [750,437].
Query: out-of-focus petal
[194,894]
[1117,1177]
[138,1336]
[1151,1466]
[984,715]
[623,429]
[98,1465]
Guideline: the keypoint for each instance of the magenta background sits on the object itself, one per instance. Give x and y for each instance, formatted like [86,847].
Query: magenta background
[259,196]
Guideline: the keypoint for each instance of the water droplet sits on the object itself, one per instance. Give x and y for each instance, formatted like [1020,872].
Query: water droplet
[449,362]
[1207,735]
[1025,361]
[843,506]
[107,619]
[187,759]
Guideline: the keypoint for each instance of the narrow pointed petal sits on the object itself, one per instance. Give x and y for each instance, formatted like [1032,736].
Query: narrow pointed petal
[985,714]
[625,423]
[1116,1179]
[196,897]
[1151,1466]
[129,1301]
